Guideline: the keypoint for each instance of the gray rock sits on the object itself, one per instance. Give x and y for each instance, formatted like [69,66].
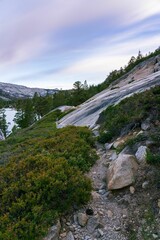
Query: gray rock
[65,108]
[110,213]
[102,191]
[82,219]
[141,154]
[54,232]
[126,150]
[145,125]
[92,224]
[145,184]
[96,133]
[70,236]
[100,232]
[121,172]
[108,146]
[113,156]
[155,236]
[132,190]
[88,113]
[157,67]
[127,129]
[117,229]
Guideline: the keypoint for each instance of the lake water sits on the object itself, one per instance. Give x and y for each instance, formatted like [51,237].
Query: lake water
[10,114]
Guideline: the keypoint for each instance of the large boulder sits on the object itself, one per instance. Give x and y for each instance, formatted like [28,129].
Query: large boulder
[54,232]
[121,172]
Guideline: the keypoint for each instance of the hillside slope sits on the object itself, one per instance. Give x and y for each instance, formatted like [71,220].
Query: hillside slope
[88,113]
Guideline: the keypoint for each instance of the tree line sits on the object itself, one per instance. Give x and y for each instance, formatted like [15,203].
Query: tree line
[32,109]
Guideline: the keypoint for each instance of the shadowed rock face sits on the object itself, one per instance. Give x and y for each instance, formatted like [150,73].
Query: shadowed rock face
[9,91]
[88,113]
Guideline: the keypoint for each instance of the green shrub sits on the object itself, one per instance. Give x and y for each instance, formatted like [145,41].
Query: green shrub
[43,177]
[34,191]
[133,110]
[153,158]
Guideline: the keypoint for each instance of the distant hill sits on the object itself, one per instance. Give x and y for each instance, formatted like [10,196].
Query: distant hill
[11,91]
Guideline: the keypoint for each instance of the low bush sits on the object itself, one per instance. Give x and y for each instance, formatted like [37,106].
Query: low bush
[34,191]
[153,158]
[42,177]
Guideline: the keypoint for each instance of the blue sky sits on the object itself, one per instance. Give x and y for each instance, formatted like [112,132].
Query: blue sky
[53,43]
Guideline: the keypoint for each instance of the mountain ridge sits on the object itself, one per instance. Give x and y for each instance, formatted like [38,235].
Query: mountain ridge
[10,91]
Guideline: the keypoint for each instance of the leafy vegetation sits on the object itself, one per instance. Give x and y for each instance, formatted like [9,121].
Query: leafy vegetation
[153,158]
[42,176]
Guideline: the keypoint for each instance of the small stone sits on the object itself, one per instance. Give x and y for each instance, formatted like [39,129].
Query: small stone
[101,213]
[75,218]
[159,203]
[139,133]
[54,232]
[100,232]
[82,219]
[155,236]
[92,224]
[108,146]
[117,229]
[124,216]
[70,236]
[145,126]
[132,189]
[71,228]
[145,184]
[102,191]
[95,195]
[64,234]
[113,156]
[110,214]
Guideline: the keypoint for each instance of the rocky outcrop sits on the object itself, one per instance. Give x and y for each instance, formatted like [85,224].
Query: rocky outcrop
[121,172]
[88,113]
[65,108]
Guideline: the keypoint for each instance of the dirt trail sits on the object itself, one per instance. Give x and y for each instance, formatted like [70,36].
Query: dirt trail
[118,215]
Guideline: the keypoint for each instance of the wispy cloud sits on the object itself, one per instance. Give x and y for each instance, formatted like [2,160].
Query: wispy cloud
[73,37]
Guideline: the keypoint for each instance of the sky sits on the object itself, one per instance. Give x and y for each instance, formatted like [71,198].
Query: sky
[54,43]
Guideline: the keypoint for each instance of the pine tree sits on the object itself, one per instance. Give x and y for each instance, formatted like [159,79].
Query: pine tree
[3,123]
